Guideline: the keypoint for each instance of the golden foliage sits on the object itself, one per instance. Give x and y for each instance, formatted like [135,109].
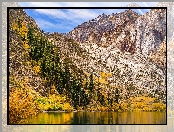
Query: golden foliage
[22,104]
[25,102]
[103,78]
[105,75]
[21,29]
[26,46]
[36,69]
[145,103]
[124,106]
[53,103]
[67,107]
[103,81]
[53,90]
[15,26]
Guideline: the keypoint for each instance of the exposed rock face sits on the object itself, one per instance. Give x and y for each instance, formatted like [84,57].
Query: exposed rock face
[132,48]
[20,13]
[19,56]
[105,29]
[128,30]
[125,44]
[159,57]
[151,31]
[133,71]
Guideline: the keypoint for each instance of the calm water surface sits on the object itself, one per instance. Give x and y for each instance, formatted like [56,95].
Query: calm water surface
[98,118]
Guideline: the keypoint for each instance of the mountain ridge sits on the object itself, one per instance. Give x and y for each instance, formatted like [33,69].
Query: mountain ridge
[107,29]
[112,58]
[87,75]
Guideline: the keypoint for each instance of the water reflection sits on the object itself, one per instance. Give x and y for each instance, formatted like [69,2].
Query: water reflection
[96,128]
[98,118]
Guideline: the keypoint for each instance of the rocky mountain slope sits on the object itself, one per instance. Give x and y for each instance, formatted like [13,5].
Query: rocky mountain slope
[126,45]
[103,64]
[26,57]
[130,46]
[41,77]
[133,73]
[19,69]
[127,30]
[104,29]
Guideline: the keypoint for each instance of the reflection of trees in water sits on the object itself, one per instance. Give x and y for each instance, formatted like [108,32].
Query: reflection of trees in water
[52,118]
[119,118]
[97,128]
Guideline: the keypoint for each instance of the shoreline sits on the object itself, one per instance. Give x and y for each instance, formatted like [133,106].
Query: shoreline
[61,111]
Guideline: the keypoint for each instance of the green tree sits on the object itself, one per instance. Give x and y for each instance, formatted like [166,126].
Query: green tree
[91,84]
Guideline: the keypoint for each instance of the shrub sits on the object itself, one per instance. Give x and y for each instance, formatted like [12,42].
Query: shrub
[22,104]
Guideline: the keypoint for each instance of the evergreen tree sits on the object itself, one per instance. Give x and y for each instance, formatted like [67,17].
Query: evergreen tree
[91,84]
[67,76]
[116,95]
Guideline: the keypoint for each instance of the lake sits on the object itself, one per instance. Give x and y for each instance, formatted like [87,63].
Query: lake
[98,118]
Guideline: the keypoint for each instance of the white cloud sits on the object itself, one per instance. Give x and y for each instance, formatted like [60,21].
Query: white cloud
[73,14]
[140,11]
[52,12]
[70,14]
[46,25]
[81,13]
[76,15]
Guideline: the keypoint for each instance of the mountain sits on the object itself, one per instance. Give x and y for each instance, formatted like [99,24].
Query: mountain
[127,30]
[115,44]
[17,67]
[132,48]
[104,29]
[101,64]
[41,76]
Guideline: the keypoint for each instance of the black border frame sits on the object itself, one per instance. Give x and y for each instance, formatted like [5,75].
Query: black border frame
[76,8]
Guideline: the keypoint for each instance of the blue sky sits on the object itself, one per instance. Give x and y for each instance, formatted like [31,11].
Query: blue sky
[65,20]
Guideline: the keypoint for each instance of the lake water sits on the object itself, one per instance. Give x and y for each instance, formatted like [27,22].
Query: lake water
[98,118]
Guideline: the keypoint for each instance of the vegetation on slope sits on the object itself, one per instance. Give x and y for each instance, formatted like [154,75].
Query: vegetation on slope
[65,87]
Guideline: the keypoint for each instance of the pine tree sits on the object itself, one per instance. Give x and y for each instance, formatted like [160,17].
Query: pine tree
[91,84]
[116,95]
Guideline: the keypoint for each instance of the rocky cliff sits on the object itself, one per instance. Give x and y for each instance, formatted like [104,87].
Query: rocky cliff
[105,29]
[128,30]
[130,46]
[19,59]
